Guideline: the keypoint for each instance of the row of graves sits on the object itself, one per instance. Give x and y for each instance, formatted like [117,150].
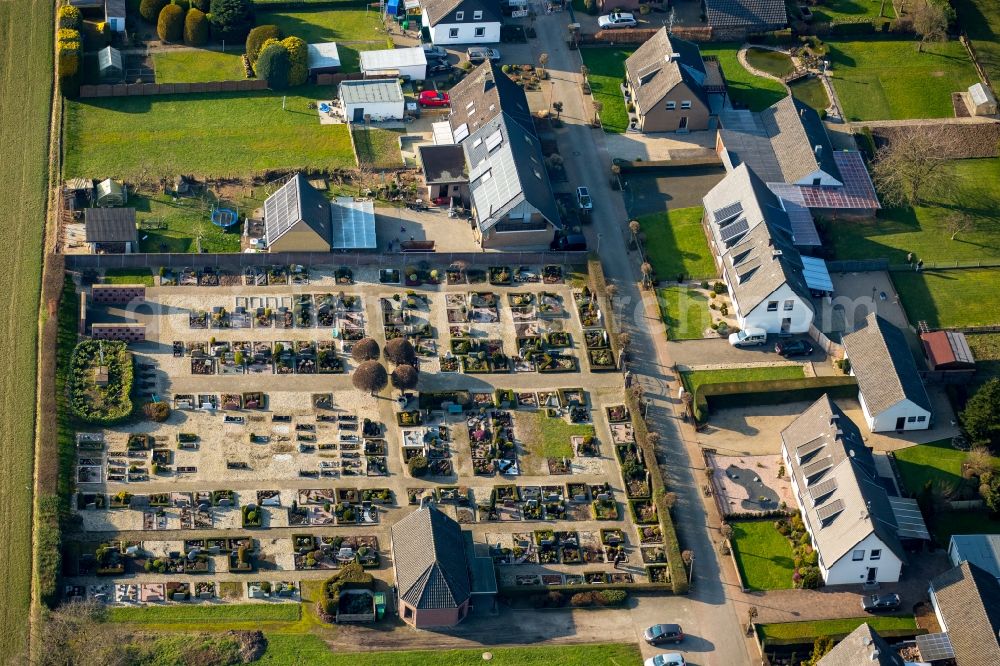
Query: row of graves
[595,336]
[176,591]
[344,313]
[282,357]
[251,276]
[501,276]
[408,315]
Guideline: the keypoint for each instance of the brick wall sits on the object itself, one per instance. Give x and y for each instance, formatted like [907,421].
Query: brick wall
[123,332]
[117,294]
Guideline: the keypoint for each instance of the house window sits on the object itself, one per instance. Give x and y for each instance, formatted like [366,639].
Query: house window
[858,555]
[817,182]
[875,554]
[685,105]
[671,106]
[480,32]
[921,419]
[477,16]
[772,306]
[453,33]
[407,613]
[459,16]
[911,419]
[789,305]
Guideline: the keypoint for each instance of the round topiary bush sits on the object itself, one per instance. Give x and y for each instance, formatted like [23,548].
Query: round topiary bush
[370,376]
[404,377]
[400,351]
[257,37]
[418,466]
[231,19]
[365,349]
[170,25]
[150,9]
[273,65]
[298,58]
[156,411]
[196,28]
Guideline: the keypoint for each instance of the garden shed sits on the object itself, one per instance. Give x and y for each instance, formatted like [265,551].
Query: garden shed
[408,63]
[379,99]
[109,61]
[111,230]
[981,101]
[111,193]
[323,58]
[114,14]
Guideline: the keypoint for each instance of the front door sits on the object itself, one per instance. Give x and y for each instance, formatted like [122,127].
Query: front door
[359,114]
[682,126]
[872,571]
[786,324]
[901,423]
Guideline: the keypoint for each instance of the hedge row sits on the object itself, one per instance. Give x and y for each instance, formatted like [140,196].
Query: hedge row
[769,392]
[836,637]
[115,402]
[351,577]
[678,574]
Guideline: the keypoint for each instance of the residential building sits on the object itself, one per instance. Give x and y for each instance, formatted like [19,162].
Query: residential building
[481,96]
[455,22]
[409,63]
[437,575]
[890,389]
[374,99]
[668,82]
[862,646]
[755,242]
[788,147]
[111,11]
[856,528]
[983,550]
[966,601]
[735,19]
[297,218]
[111,230]
[444,172]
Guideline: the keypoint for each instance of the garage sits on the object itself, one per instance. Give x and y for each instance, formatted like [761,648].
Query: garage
[379,99]
[408,63]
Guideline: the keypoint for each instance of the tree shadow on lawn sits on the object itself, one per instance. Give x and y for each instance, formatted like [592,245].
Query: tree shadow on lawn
[916,298]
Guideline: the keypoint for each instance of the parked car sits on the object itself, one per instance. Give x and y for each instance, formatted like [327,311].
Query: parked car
[666,659]
[793,348]
[432,52]
[748,337]
[880,602]
[616,20]
[434,98]
[583,199]
[570,243]
[436,67]
[663,633]
[480,54]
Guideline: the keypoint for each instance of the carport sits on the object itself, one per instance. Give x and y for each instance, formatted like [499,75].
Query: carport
[817,276]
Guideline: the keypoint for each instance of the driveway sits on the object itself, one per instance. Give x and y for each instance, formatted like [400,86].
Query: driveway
[718,351]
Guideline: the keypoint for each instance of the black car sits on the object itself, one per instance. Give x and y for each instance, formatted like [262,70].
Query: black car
[880,602]
[570,243]
[793,348]
[663,633]
[439,67]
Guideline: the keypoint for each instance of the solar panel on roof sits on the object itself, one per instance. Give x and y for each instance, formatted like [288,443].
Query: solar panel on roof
[821,490]
[727,212]
[493,141]
[828,511]
[353,224]
[934,647]
[731,231]
[803,451]
[909,519]
[816,467]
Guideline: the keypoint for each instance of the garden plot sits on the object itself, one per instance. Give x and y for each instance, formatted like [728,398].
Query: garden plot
[750,484]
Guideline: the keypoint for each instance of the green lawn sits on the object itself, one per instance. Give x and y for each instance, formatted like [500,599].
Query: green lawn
[185,220]
[377,147]
[763,555]
[850,10]
[675,244]
[128,276]
[889,79]
[693,379]
[944,299]
[220,613]
[685,312]
[773,62]
[811,92]
[550,437]
[198,66]
[841,627]
[324,25]
[986,349]
[283,650]
[963,522]
[752,91]
[606,67]
[208,135]
[981,20]
[973,192]
[936,461]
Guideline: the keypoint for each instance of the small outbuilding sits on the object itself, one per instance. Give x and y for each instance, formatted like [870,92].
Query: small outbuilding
[379,99]
[980,100]
[352,224]
[324,58]
[110,67]
[949,356]
[111,230]
[297,218]
[445,172]
[409,63]
[114,14]
[111,193]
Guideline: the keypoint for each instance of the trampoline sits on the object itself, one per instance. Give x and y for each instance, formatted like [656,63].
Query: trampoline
[224,217]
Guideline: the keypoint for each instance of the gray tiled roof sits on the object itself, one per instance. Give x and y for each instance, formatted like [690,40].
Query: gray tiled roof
[432,567]
[110,225]
[884,366]
[443,164]
[862,646]
[296,201]
[481,96]
[443,11]
[751,14]
[370,91]
[968,600]
[824,445]
[660,64]
[796,132]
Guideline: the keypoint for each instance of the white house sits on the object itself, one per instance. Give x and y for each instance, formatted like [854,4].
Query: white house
[379,99]
[454,22]
[855,527]
[410,63]
[755,238]
[983,550]
[890,390]
[966,601]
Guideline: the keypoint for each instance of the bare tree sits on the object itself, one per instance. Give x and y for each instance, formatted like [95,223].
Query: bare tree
[404,377]
[624,340]
[598,107]
[543,60]
[647,270]
[956,223]
[370,376]
[400,351]
[913,166]
[929,19]
[558,108]
[978,461]
[365,349]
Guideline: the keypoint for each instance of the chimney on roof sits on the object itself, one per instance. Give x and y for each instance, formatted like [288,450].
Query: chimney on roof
[775,254]
[875,655]
[802,112]
[866,641]
[818,149]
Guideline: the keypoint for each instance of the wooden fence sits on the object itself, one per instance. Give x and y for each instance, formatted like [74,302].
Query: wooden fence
[145,89]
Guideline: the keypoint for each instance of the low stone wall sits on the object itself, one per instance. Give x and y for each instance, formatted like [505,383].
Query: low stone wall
[117,294]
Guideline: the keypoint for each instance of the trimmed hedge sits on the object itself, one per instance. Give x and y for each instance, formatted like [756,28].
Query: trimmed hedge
[836,637]
[273,65]
[170,24]
[115,404]
[769,392]
[48,551]
[258,37]
[196,28]
[70,17]
[351,577]
[150,9]
[298,60]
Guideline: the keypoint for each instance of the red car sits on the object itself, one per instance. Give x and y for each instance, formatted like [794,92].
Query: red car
[434,98]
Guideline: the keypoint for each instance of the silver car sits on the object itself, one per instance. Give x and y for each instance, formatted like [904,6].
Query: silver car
[480,54]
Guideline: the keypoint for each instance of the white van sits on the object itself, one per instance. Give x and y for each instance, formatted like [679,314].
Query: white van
[748,337]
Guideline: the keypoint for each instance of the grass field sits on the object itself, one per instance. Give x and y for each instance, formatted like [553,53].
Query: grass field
[198,66]
[986,350]
[763,555]
[606,69]
[323,25]
[773,62]
[981,20]
[218,614]
[128,276]
[685,312]
[25,103]
[811,630]
[888,79]
[675,244]
[847,10]
[973,191]
[209,135]
[751,91]
[185,221]
[811,92]
[378,148]
[551,434]
[693,379]
[944,299]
